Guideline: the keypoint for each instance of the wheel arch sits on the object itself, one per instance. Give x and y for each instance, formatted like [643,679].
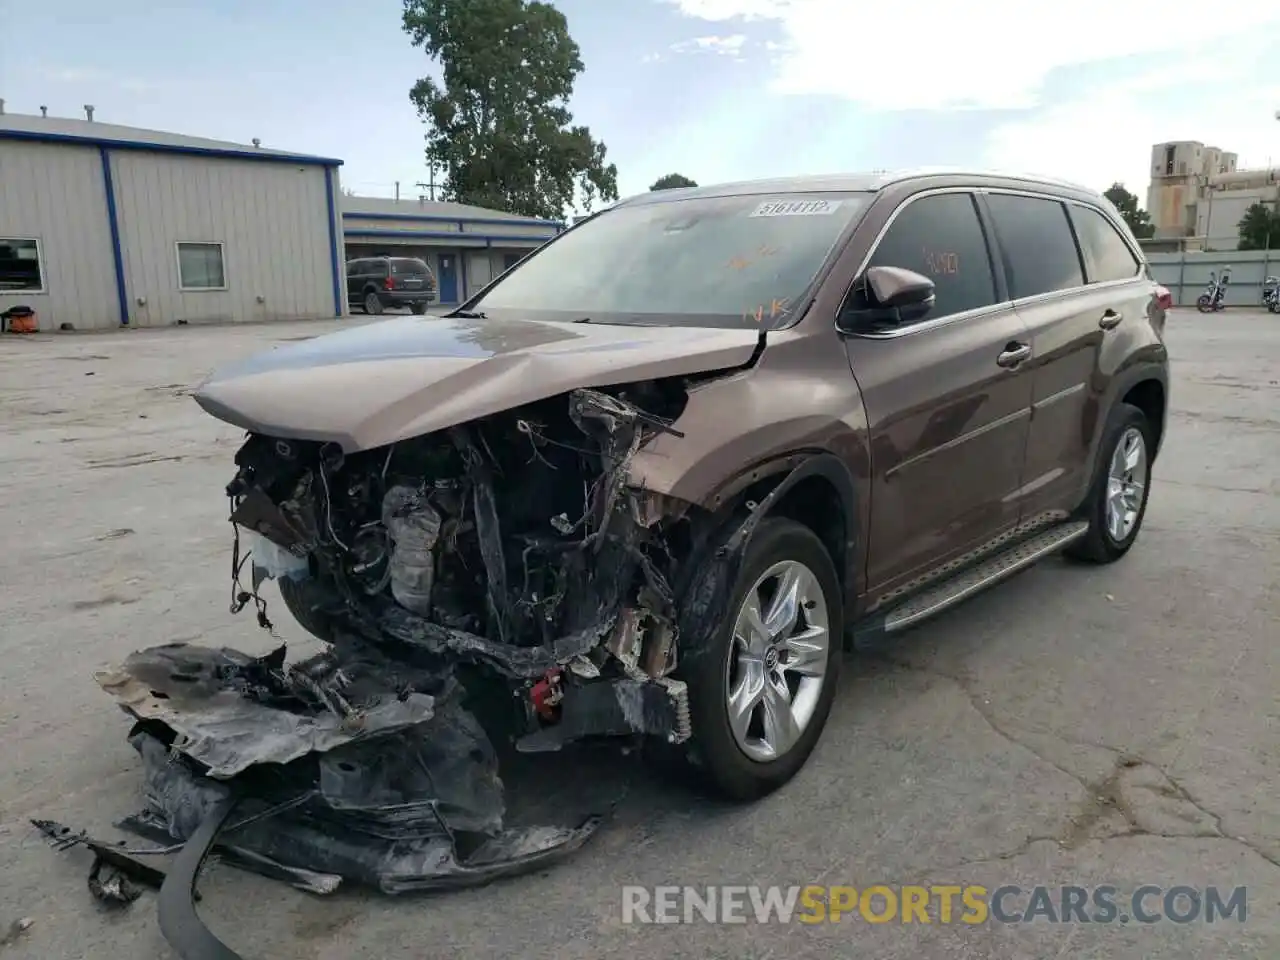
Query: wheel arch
[1151,397]
[1145,384]
[814,488]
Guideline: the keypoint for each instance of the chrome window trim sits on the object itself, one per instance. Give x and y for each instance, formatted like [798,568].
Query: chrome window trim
[936,322]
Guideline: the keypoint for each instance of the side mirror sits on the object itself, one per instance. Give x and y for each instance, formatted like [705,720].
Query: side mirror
[893,296]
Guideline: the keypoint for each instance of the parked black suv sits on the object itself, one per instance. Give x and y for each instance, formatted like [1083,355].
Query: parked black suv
[375,283]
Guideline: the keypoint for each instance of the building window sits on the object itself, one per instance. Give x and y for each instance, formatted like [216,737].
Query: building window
[1169,153]
[21,267]
[200,267]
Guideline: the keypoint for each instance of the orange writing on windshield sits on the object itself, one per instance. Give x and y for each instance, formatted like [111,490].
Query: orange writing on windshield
[741,262]
[768,311]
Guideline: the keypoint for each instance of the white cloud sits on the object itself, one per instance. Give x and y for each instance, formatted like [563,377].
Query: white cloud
[730,46]
[1105,131]
[928,54]
[1217,81]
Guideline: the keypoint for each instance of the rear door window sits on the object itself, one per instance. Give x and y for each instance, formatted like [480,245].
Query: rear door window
[1106,254]
[376,268]
[941,237]
[1040,254]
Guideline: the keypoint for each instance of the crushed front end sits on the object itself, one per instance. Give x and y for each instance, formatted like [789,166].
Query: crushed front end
[495,583]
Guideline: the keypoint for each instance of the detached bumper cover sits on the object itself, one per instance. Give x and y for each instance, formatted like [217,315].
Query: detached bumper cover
[368,771]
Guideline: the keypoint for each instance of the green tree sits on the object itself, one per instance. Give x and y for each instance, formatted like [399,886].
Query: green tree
[1139,220]
[1259,228]
[672,181]
[498,122]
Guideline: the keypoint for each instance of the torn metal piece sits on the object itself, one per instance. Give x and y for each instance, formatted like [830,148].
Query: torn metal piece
[658,656]
[186,688]
[626,640]
[419,808]
[485,511]
[620,707]
[258,513]
[110,885]
[400,624]
[150,826]
[116,877]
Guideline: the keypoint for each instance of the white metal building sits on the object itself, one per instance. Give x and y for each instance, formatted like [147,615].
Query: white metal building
[465,246]
[103,226]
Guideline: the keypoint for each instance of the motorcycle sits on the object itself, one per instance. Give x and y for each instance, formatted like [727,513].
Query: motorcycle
[1271,294]
[1214,294]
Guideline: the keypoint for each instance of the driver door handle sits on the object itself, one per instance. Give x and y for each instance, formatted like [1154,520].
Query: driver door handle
[1014,353]
[1110,320]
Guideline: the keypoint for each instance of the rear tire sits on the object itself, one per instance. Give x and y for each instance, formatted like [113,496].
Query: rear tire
[372,303]
[1115,507]
[1204,303]
[418,309]
[734,754]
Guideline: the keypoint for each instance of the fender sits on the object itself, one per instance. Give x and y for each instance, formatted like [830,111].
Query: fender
[800,467]
[1149,364]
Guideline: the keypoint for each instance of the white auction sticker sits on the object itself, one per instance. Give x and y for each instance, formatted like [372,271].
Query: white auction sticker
[796,208]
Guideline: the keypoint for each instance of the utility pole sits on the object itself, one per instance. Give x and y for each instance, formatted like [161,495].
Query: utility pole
[397,191]
[430,185]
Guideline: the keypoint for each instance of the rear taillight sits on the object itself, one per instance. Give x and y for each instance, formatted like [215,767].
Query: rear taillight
[1164,298]
[391,283]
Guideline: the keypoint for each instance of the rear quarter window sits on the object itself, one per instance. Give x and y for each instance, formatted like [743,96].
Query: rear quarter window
[1039,250]
[1106,254]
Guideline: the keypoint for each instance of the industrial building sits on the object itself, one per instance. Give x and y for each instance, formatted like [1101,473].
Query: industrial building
[104,226]
[1197,196]
[464,246]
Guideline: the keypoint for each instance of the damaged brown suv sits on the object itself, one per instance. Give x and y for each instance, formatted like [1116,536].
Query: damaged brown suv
[648,482]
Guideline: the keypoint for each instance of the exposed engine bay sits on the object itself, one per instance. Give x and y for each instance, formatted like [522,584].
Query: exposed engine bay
[511,543]
[495,583]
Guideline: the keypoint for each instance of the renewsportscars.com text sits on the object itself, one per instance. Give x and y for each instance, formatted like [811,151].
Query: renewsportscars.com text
[812,904]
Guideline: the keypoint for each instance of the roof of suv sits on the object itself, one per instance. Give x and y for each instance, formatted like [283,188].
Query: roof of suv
[854,182]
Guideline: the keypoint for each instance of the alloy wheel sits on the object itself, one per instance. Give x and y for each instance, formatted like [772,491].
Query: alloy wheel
[1126,484]
[777,661]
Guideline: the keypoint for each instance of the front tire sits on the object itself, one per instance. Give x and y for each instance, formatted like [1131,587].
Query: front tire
[1204,303]
[762,683]
[303,601]
[1117,501]
[418,309]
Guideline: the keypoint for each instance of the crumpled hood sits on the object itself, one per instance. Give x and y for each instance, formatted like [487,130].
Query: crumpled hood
[376,384]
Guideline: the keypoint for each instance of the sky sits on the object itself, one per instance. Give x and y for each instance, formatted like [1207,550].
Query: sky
[714,89]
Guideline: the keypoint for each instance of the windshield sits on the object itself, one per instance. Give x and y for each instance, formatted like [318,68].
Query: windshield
[710,261]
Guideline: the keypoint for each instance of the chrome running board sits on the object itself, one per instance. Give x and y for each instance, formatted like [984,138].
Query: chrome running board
[973,579]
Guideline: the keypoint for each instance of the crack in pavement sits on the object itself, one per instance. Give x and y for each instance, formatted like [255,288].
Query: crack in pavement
[1118,793]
